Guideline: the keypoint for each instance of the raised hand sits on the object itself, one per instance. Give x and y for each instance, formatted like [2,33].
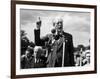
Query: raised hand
[38,23]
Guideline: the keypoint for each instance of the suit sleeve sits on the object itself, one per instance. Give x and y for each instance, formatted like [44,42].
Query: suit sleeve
[39,41]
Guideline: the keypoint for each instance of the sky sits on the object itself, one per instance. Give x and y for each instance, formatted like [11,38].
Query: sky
[75,23]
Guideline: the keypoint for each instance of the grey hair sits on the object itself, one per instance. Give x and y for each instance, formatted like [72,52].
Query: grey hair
[57,20]
[37,48]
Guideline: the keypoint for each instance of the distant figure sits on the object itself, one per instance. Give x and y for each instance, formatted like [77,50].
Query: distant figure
[86,60]
[60,45]
[77,62]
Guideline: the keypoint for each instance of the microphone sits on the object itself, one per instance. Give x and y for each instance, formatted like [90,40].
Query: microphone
[53,31]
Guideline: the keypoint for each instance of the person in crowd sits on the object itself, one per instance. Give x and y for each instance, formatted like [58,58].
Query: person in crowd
[39,57]
[27,59]
[86,60]
[77,60]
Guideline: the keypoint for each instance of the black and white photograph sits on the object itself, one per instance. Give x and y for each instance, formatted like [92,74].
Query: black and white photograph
[52,39]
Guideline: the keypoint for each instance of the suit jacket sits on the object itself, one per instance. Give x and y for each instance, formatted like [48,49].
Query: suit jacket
[26,62]
[56,49]
[31,63]
[40,64]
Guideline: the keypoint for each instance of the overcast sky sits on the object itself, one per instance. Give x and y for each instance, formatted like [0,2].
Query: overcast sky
[75,23]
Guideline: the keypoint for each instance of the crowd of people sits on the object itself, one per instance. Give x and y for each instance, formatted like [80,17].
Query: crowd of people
[53,50]
[32,56]
[82,58]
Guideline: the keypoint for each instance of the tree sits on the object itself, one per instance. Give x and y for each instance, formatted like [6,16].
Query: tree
[24,42]
[81,47]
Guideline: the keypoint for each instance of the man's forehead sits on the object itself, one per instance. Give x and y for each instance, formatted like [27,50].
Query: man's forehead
[57,22]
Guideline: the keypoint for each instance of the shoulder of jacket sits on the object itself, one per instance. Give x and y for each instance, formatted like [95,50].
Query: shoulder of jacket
[67,34]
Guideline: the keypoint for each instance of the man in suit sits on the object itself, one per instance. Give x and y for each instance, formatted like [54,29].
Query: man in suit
[39,57]
[59,44]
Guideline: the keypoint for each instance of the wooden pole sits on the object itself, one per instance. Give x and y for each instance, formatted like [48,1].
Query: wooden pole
[63,52]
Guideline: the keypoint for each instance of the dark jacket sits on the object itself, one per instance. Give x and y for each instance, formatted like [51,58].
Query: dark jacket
[56,49]
[30,62]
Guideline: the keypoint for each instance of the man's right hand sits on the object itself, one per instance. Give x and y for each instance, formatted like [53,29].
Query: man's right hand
[38,23]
